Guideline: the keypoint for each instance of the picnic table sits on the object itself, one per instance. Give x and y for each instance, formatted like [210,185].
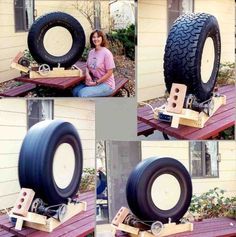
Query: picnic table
[217,227]
[221,120]
[78,226]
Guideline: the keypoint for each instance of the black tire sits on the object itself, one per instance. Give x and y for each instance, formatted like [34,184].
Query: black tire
[38,31]
[36,160]
[138,189]
[183,53]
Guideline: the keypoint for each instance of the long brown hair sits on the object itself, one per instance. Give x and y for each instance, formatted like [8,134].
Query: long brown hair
[100,34]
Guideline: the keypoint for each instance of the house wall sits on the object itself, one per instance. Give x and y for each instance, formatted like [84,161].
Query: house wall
[13,128]
[180,151]
[152,35]
[11,43]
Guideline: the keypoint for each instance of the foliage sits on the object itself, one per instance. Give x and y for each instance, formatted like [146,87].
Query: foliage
[88,180]
[226,73]
[127,38]
[84,56]
[227,134]
[212,204]
[28,55]
[86,9]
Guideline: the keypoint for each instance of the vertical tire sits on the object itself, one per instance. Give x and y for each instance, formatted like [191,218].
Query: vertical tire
[185,60]
[139,186]
[37,156]
[40,28]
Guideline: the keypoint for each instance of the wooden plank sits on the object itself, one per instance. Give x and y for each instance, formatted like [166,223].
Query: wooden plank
[207,228]
[60,83]
[222,119]
[144,129]
[119,83]
[76,226]
[19,90]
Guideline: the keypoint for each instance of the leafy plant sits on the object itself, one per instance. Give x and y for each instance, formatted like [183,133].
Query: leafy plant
[28,55]
[127,38]
[211,204]
[88,180]
[226,73]
[85,54]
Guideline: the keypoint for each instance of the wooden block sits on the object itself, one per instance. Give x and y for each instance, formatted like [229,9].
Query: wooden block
[51,223]
[19,67]
[120,216]
[57,72]
[23,202]
[128,229]
[19,224]
[176,98]
[31,217]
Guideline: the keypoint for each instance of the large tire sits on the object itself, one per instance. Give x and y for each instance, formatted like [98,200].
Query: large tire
[140,181]
[184,50]
[38,31]
[37,156]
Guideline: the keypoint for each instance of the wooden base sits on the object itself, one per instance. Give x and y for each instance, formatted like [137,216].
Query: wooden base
[40,222]
[190,117]
[57,72]
[168,229]
[19,67]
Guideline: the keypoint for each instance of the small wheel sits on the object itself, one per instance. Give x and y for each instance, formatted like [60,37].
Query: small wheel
[44,69]
[62,212]
[35,205]
[24,62]
[157,227]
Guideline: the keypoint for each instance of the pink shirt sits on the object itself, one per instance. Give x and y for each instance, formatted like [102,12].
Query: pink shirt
[99,62]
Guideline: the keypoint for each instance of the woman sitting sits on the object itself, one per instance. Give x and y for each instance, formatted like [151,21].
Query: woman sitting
[99,78]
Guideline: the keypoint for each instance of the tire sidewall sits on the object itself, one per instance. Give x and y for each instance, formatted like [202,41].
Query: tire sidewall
[211,29]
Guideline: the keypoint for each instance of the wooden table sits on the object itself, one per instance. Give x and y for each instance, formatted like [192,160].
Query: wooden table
[78,226]
[55,82]
[217,227]
[221,120]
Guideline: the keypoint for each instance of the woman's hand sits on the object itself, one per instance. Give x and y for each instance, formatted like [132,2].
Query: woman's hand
[88,79]
[90,83]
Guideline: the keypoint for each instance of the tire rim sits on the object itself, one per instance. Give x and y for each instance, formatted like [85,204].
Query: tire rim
[208,59]
[57,41]
[165,192]
[63,165]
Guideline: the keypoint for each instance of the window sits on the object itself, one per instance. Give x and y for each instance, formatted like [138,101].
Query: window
[39,110]
[24,14]
[204,159]
[177,8]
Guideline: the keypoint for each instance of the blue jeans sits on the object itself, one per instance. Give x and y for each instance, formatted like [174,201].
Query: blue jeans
[92,91]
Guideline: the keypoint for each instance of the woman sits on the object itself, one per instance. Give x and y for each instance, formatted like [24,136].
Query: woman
[99,78]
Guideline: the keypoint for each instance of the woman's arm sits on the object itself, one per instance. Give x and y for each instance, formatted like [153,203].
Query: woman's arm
[105,77]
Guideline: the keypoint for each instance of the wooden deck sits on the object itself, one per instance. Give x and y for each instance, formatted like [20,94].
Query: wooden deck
[217,227]
[221,120]
[79,226]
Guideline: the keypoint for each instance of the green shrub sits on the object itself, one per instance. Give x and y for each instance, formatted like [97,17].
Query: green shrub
[84,56]
[211,204]
[226,73]
[88,180]
[127,38]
